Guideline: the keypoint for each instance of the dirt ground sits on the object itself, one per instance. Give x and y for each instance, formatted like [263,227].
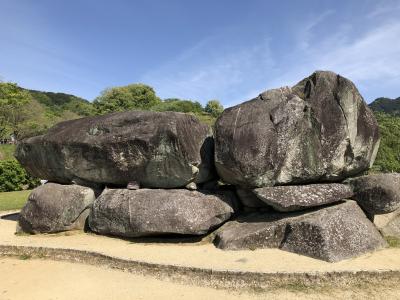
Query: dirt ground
[33,278]
[198,254]
[44,279]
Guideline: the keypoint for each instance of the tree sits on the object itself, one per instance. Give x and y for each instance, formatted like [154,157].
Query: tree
[214,107]
[13,112]
[179,105]
[130,97]
[388,158]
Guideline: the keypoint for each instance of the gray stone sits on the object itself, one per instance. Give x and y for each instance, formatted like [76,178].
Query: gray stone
[377,193]
[249,199]
[155,149]
[133,185]
[331,233]
[54,207]
[298,197]
[319,130]
[388,224]
[147,212]
[191,186]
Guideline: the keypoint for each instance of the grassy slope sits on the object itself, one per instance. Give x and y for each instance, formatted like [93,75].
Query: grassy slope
[13,200]
[7,151]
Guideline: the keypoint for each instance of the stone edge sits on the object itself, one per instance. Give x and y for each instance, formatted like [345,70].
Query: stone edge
[205,277]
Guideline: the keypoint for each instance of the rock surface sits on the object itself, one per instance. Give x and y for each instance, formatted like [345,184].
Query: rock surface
[249,199]
[154,149]
[332,233]
[298,197]
[388,224]
[319,130]
[377,193]
[147,212]
[54,207]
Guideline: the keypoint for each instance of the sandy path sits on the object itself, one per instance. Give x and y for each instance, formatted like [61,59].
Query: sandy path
[42,279]
[200,255]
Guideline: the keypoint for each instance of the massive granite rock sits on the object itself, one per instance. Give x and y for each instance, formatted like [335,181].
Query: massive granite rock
[298,197]
[54,207]
[377,193]
[332,233]
[153,149]
[146,212]
[319,130]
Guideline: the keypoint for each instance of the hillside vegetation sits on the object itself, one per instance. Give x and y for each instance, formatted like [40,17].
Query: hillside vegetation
[388,158]
[25,113]
[386,105]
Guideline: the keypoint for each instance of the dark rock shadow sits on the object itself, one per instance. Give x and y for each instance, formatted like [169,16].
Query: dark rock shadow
[11,217]
[161,239]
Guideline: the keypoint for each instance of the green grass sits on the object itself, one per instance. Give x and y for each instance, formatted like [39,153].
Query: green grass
[13,200]
[7,151]
[393,242]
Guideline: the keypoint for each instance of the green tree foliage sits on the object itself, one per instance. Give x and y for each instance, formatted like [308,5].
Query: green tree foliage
[178,105]
[14,178]
[388,158]
[214,108]
[57,103]
[386,105]
[26,113]
[14,110]
[129,97]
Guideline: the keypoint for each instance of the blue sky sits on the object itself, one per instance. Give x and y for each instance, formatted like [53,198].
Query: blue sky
[201,50]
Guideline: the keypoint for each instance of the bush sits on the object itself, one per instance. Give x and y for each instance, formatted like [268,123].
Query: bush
[14,178]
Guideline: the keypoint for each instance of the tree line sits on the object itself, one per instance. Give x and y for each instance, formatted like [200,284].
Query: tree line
[25,113]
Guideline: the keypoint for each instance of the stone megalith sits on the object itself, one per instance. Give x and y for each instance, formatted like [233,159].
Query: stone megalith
[316,131]
[154,149]
[147,212]
[332,233]
[298,197]
[55,207]
[377,193]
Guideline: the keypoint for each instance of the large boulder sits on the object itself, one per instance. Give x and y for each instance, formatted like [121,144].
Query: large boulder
[55,207]
[388,224]
[377,193]
[146,212]
[319,130]
[298,197]
[332,233]
[152,149]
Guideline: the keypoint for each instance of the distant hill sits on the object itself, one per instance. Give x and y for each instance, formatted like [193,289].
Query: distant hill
[38,111]
[60,102]
[386,105]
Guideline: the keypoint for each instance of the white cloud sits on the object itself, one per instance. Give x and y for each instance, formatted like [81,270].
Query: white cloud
[201,74]
[371,60]
[368,55]
[383,8]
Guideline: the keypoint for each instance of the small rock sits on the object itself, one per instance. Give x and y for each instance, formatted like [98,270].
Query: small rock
[133,185]
[191,186]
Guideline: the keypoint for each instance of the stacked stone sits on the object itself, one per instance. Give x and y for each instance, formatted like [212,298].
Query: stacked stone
[279,171]
[137,163]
